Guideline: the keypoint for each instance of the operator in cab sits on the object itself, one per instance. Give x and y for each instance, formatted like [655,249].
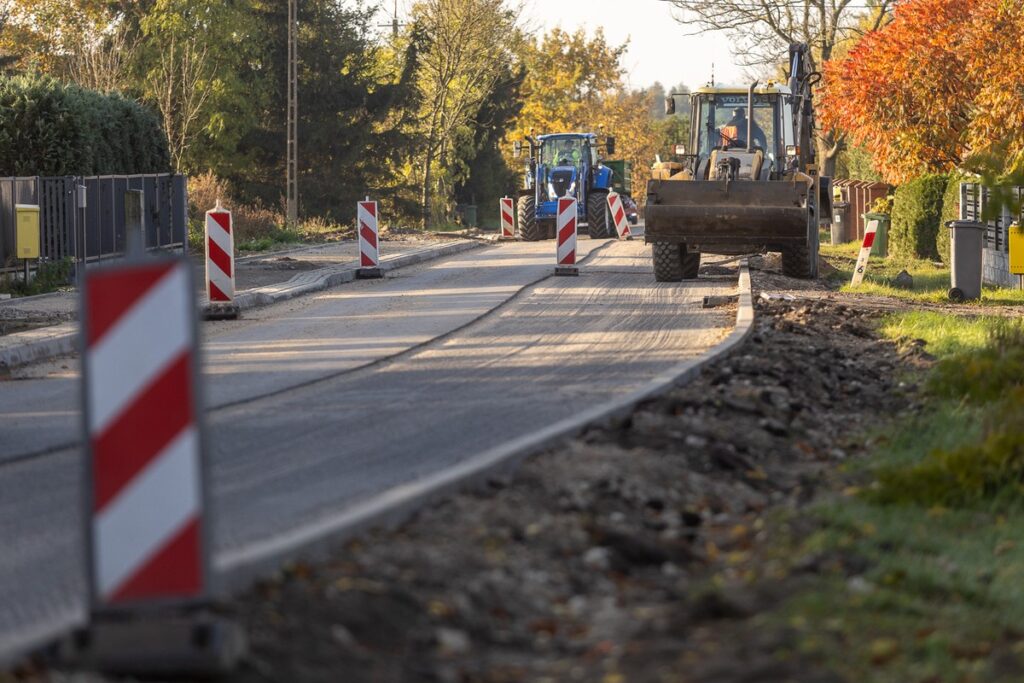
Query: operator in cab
[735,131]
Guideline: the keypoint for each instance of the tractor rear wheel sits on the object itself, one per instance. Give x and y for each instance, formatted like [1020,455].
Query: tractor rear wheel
[599,227]
[527,210]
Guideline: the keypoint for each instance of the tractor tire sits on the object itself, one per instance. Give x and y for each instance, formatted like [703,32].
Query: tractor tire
[668,261]
[598,224]
[801,261]
[529,230]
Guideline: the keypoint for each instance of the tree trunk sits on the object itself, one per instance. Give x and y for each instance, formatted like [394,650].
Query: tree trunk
[428,161]
[828,150]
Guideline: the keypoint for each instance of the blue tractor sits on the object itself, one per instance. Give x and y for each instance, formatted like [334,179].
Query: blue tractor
[565,165]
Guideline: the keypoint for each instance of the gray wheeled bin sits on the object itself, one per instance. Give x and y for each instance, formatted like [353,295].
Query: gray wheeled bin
[965,279]
[840,212]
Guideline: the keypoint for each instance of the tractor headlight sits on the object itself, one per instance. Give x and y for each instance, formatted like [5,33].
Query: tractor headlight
[572,187]
[551,190]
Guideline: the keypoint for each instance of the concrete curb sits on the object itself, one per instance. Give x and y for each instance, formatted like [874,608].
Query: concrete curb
[24,348]
[235,569]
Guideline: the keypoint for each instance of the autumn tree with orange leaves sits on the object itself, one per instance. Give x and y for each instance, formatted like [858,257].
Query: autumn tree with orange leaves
[936,89]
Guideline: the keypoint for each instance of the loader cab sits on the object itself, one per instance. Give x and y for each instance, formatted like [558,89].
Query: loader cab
[720,125]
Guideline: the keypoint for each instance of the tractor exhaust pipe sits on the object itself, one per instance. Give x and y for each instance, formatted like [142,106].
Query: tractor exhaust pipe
[750,117]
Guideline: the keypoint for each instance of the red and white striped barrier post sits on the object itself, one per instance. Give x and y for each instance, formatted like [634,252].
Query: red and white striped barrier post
[619,216]
[145,503]
[565,230]
[220,264]
[865,252]
[369,240]
[508,226]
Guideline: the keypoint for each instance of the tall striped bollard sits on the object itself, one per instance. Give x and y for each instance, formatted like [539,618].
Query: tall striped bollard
[565,230]
[508,225]
[369,241]
[618,213]
[145,507]
[220,265]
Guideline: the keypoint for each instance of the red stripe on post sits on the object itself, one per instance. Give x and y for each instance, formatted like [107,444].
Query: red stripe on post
[365,261]
[569,259]
[220,258]
[216,294]
[158,415]
[369,207]
[368,235]
[176,570]
[869,240]
[109,297]
[567,232]
[223,220]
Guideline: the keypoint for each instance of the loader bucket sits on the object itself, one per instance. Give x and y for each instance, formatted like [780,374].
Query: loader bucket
[746,213]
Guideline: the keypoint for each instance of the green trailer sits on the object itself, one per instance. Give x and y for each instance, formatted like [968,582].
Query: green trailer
[622,176]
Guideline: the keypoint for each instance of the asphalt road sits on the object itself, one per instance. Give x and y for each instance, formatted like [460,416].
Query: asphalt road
[317,412]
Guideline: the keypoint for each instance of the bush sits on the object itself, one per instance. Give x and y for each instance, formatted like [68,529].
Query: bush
[251,222]
[950,212]
[916,212]
[49,128]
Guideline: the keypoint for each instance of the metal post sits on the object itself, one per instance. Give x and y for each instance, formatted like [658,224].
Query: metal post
[134,228]
[83,247]
[293,112]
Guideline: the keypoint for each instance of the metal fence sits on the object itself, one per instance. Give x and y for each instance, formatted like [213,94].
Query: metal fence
[975,201]
[96,231]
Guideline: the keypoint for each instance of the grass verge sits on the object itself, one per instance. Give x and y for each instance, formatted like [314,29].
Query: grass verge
[922,561]
[931,281]
[50,276]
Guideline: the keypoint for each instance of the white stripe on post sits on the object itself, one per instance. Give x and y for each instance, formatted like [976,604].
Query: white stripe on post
[369,236]
[144,497]
[865,252]
[618,215]
[220,256]
[122,365]
[507,209]
[565,230]
[124,538]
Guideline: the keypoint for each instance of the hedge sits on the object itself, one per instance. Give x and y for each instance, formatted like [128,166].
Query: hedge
[50,128]
[950,212]
[916,213]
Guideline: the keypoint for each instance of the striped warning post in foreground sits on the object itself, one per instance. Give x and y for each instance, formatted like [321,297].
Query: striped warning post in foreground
[508,226]
[565,231]
[369,246]
[865,252]
[220,256]
[145,499]
[618,216]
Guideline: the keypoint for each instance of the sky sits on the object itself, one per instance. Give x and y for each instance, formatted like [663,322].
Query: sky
[658,50]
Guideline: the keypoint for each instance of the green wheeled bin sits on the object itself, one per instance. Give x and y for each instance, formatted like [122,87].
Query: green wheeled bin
[881,245]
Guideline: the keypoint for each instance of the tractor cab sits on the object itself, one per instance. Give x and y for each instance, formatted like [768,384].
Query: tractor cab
[564,165]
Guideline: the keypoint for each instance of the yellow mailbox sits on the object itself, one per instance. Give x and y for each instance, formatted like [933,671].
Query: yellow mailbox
[1016,249]
[27,236]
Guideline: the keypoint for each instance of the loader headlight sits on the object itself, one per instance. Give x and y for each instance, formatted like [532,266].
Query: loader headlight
[792,150]
[551,190]
[572,187]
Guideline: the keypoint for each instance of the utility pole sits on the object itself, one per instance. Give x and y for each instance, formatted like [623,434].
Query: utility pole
[292,209]
[394,22]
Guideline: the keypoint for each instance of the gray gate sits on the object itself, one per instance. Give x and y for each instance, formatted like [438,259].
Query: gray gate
[98,231]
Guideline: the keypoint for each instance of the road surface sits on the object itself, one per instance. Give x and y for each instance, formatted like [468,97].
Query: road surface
[322,403]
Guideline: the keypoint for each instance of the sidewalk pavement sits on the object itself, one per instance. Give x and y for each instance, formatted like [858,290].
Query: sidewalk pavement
[49,323]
